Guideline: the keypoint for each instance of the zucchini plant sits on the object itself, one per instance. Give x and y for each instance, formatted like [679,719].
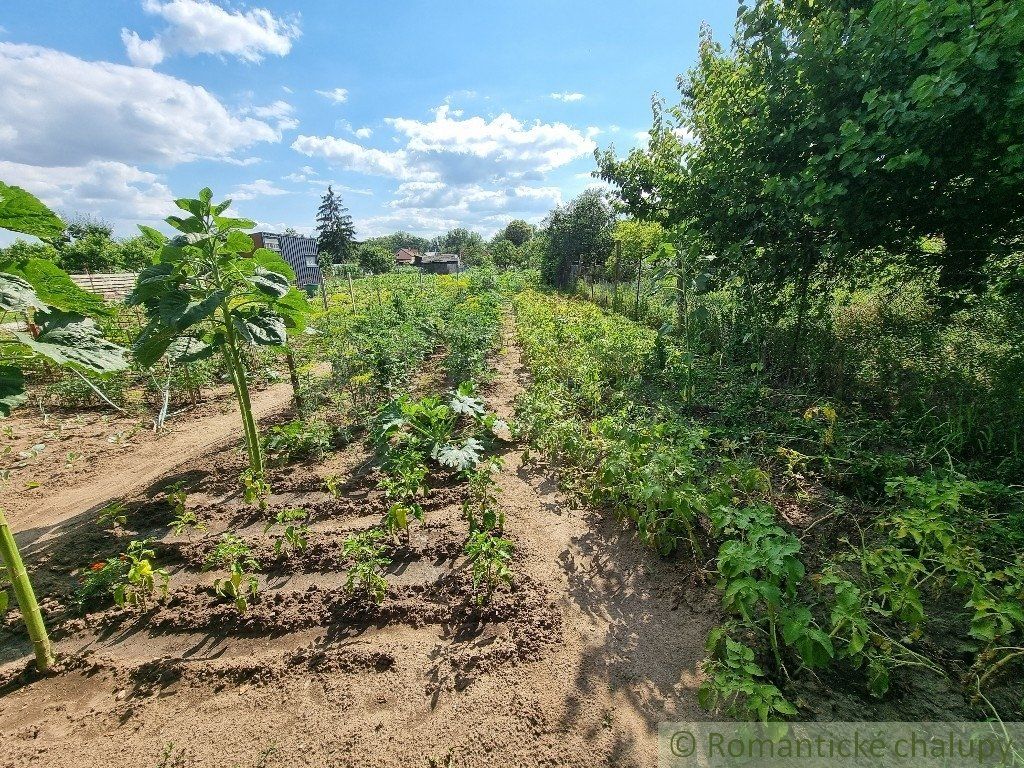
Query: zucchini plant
[211,290]
[49,303]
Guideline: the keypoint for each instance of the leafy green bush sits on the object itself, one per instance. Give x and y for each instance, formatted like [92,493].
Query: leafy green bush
[298,439]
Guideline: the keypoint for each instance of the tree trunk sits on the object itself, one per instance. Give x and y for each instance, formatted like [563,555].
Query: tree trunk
[25,596]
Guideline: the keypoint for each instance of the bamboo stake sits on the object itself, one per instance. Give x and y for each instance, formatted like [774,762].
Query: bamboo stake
[25,596]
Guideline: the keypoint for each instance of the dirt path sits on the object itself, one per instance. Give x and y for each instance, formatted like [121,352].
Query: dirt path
[118,475]
[605,647]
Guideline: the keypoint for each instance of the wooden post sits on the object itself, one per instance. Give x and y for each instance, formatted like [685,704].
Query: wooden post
[639,273]
[351,293]
[293,374]
[615,284]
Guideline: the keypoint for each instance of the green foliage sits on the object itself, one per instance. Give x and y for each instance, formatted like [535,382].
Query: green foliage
[48,301]
[112,515]
[736,683]
[467,245]
[480,507]
[637,242]
[376,259]
[403,483]
[369,562]
[336,233]
[490,559]
[233,555]
[89,246]
[20,211]
[129,579]
[518,232]
[577,234]
[212,290]
[297,439]
[294,532]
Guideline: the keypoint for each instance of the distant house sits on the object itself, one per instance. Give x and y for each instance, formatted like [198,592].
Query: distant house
[440,263]
[300,253]
[407,257]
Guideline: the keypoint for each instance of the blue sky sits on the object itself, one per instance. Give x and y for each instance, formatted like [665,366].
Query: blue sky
[424,115]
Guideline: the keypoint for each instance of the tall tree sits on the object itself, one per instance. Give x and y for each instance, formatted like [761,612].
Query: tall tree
[336,232]
[579,235]
[467,244]
[518,232]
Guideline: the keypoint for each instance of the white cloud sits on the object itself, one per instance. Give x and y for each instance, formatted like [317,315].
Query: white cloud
[257,188]
[305,173]
[197,26]
[68,112]
[456,151]
[567,96]
[241,162]
[337,95]
[471,172]
[308,230]
[363,133]
[475,199]
[117,192]
[464,151]
[280,112]
[350,156]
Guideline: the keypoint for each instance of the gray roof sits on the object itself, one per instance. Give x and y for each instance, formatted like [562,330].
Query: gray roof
[433,257]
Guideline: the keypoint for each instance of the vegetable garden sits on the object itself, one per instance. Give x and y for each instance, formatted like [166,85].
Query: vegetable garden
[738,437]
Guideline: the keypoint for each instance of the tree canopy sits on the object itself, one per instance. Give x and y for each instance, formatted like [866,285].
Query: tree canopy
[829,129]
[578,233]
[336,232]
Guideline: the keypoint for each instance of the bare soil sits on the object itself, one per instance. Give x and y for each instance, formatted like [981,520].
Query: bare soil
[574,665]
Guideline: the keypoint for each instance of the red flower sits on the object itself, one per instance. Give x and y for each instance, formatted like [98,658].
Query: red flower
[98,566]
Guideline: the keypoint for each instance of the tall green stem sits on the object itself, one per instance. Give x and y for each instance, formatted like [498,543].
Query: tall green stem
[234,360]
[25,596]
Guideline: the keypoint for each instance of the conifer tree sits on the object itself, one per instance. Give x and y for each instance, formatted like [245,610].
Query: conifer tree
[336,232]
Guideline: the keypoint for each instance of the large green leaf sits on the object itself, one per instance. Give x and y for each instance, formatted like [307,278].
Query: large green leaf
[54,287]
[16,295]
[274,263]
[226,222]
[152,342]
[294,308]
[155,236]
[239,242]
[23,212]
[271,283]
[70,338]
[189,349]
[12,389]
[197,311]
[150,284]
[263,328]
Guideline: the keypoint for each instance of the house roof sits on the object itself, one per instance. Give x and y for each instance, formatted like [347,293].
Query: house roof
[406,253]
[433,257]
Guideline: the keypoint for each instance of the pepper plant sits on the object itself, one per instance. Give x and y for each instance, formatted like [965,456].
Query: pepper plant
[211,290]
[48,302]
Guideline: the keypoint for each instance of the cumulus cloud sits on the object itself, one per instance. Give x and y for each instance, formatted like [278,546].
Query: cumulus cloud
[475,199]
[257,188]
[61,110]
[197,26]
[114,191]
[350,156]
[337,95]
[458,151]
[567,96]
[305,173]
[363,133]
[280,112]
